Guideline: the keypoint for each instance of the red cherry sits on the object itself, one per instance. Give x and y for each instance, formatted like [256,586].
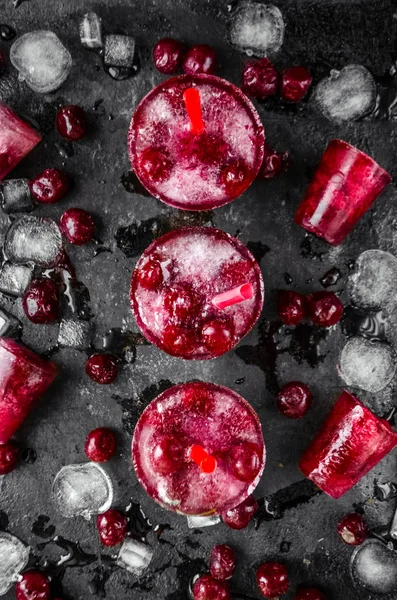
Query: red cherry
[309,593]
[272,579]
[233,178]
[71,122]
[33,585]
[9,454]
[245,461]
[294,400]
[180,302]
[41,301]
[324,308]
[208,588]
[260,78]
[217,336]
[167,455]
[295,83]
[178,340]
[353,529]
[49,186]
[222,562]
[155,164]
[77,225]
[112,527]
[100,444]
[273,163]
[290,307]
[168,55]
[199,59]
[150,274]
[241,515]
[102,368]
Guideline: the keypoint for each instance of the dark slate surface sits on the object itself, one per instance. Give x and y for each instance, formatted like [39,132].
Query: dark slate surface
[320,35]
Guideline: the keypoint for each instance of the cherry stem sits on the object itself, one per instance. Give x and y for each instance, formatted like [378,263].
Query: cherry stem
[235,296]
[205,461]
[191,97]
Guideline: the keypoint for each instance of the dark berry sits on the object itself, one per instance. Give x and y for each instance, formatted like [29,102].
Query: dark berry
[260,78]
[245,461]
[41,301]
[199,59]
[178,340]
[100,444]
[324,308]
[102,368]
[233,178]
[353,529]
[272,579]
[71,122]
[150,274]
[222,562]
[155,164]
[208,588]
[180,303]
[218,336]
[294,400]
[309,593]
[240,516]
[33,585]
[273,163]
[77,225]
[167,455]
[295,83]
[50,186]
[112,527]
[290,307]
[9,454]
[168,55]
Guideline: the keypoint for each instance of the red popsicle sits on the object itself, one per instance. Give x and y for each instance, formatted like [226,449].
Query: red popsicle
[17,139]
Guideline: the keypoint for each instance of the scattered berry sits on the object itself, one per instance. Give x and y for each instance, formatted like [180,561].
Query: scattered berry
[272,579]
[208,588]
[167,455]
[168,55]
[199,59]
[290,307]
[33,585]
[309,593]
[102,368]
[294,400]
[150,274]
[222,562]
[41,301]
[100,444]
[324,308]
[77,225]
[241,515]
[273,163]
[71,122]
[155,164]
[50,186]
[112,527]
[9,454]
[245,460]
[295,83]
[217,336]
[260,78]
[353,529]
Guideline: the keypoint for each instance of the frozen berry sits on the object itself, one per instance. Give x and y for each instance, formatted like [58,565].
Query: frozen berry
[167,455]
[217,336]
[9,454]
[324,308]
[198,400]
[50,186]
[155,164]
[71,122]
[241,515]
[33,585]
[208,588]
[294,400]
[260,78]
[222,562]
[180,303]
[233,178]
[100,444]
[150,274]
[178,340]
[112,527]
[309,593]
[199,59]
[272,579]
[290,307]
[273,163]
[295,83]
[353,529]
[77,225]
[168,55]
[245,461]
[41,301]
[102,368]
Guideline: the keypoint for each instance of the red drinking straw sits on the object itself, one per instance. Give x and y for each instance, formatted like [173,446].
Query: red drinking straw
[205,461]
[191,97]
[234,296]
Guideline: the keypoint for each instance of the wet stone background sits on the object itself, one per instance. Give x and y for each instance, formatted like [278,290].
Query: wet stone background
[319,35]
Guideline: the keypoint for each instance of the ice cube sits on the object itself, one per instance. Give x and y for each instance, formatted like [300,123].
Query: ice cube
[119,51]
[374,566]
[14,279]
[15,196]
[17,139]
[42,60]
[367,365]
[91,31]
[197,522]
[134,556]
[75,334]
[14,556]
[346,95]
[10,326]
[373,283]
[257,29]
[82,490]
[34,239]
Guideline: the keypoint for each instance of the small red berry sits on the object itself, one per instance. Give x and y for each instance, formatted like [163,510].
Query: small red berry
[309,593]
[9,454]
[324,308]
[112,527]
[180,303]
[50,186]
[260,78]
[168,55]
[245,461]
[294,400]
[353,529]
[167,455]
[208,588]
[272,579]
[222,562]
[155,164]
[102,368]
[100,444]
[290,307]
[41,301]
[218,336]
[178,340]
[273,163]
[71,122]
[295,83]
[150,274]
[199,59]
[77,225]
[33,585]
[241,515]
[233,178]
